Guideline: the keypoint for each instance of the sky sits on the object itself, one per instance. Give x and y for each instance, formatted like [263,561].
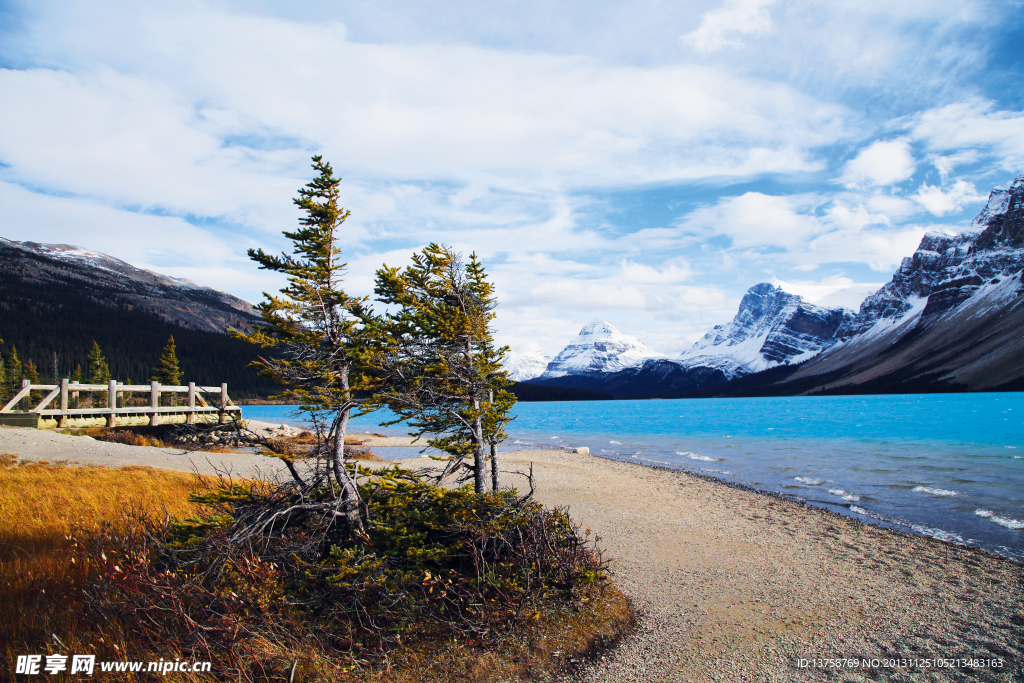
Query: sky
[641,162]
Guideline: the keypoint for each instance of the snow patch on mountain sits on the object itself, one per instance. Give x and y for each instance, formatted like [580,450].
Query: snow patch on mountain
[69,253]
[599,349]
[524,366]
[948,270]
[771,327]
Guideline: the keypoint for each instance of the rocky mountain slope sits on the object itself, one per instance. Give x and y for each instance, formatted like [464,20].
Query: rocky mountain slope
[56,300]
[116,284]
[952,318]
[771,327]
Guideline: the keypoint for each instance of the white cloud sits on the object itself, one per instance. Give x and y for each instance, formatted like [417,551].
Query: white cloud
[584,295]
[176,136]
[388,111]
[169,241]
[721,27]
[972,127]
[756,220]
[939,202]
[835,291]
[880,248]
[673,271]
[881,163]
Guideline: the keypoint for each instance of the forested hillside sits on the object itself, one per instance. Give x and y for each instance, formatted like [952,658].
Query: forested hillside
[38,319]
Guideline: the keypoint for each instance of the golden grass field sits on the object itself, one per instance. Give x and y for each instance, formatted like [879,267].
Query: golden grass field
[40,506]
[43,505]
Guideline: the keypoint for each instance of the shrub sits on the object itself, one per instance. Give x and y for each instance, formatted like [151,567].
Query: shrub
[267,570]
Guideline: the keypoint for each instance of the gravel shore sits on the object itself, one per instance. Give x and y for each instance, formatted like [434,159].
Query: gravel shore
[730,585]
[733,585]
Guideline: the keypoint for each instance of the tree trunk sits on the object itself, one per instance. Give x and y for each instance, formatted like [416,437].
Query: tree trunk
[495,483]
[349,491]
[479,457]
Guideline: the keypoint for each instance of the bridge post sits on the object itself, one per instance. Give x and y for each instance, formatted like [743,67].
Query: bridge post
[26,403]
[112,402]
[191,417]
[154,402]
[223,416]
[62,420]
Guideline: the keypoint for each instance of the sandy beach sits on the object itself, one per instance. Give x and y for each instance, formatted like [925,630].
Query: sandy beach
[730,584]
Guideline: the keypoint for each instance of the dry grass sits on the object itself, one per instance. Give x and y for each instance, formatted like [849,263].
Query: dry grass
[363,454]
[40,612]
[41,505]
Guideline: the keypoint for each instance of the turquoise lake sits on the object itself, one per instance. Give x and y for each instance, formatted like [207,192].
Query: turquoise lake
[944,465]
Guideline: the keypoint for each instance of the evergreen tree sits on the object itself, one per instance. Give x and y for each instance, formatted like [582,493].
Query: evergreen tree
[435,362]
[167,371]
[76,376]
[31,373]
[99,373]
[3,380]
[314,325]
[13,374]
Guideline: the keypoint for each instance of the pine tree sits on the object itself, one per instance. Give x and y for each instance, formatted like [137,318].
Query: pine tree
[167,371]
[76,376]
[99,373]
[315,327]
[3,381]
[13,373]
[435,362]
[31,373]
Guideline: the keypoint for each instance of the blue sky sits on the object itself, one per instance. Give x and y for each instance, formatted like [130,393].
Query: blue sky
[640,162]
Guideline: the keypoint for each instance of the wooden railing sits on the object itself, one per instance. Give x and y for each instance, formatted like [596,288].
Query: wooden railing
[62,405]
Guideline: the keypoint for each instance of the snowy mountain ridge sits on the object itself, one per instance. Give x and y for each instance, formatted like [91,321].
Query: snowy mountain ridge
[952,314]
[69,253]
[524,366]
[771,327]
[117,284]
[951,318]
[598,349]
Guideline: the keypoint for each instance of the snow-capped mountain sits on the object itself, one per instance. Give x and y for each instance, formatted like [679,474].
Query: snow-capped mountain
[952,317]
[599,349]
[117,284]
[771,327]
[524,366]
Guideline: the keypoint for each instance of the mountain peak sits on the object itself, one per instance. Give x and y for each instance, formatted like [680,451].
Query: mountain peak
[524,366]
[772,326]
[599,348]
[122,285]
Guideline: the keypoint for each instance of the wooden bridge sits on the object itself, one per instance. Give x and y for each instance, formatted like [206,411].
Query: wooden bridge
[62,406]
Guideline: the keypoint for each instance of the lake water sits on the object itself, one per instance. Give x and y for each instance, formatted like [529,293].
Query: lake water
[944,465]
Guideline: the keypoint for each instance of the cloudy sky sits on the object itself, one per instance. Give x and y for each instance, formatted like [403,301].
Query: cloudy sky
[640,162]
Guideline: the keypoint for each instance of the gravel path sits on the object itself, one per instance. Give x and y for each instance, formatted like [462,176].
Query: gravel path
[43,444]
[730,585]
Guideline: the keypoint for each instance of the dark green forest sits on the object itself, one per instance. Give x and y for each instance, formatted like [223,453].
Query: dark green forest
[39,319]
[525,391]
